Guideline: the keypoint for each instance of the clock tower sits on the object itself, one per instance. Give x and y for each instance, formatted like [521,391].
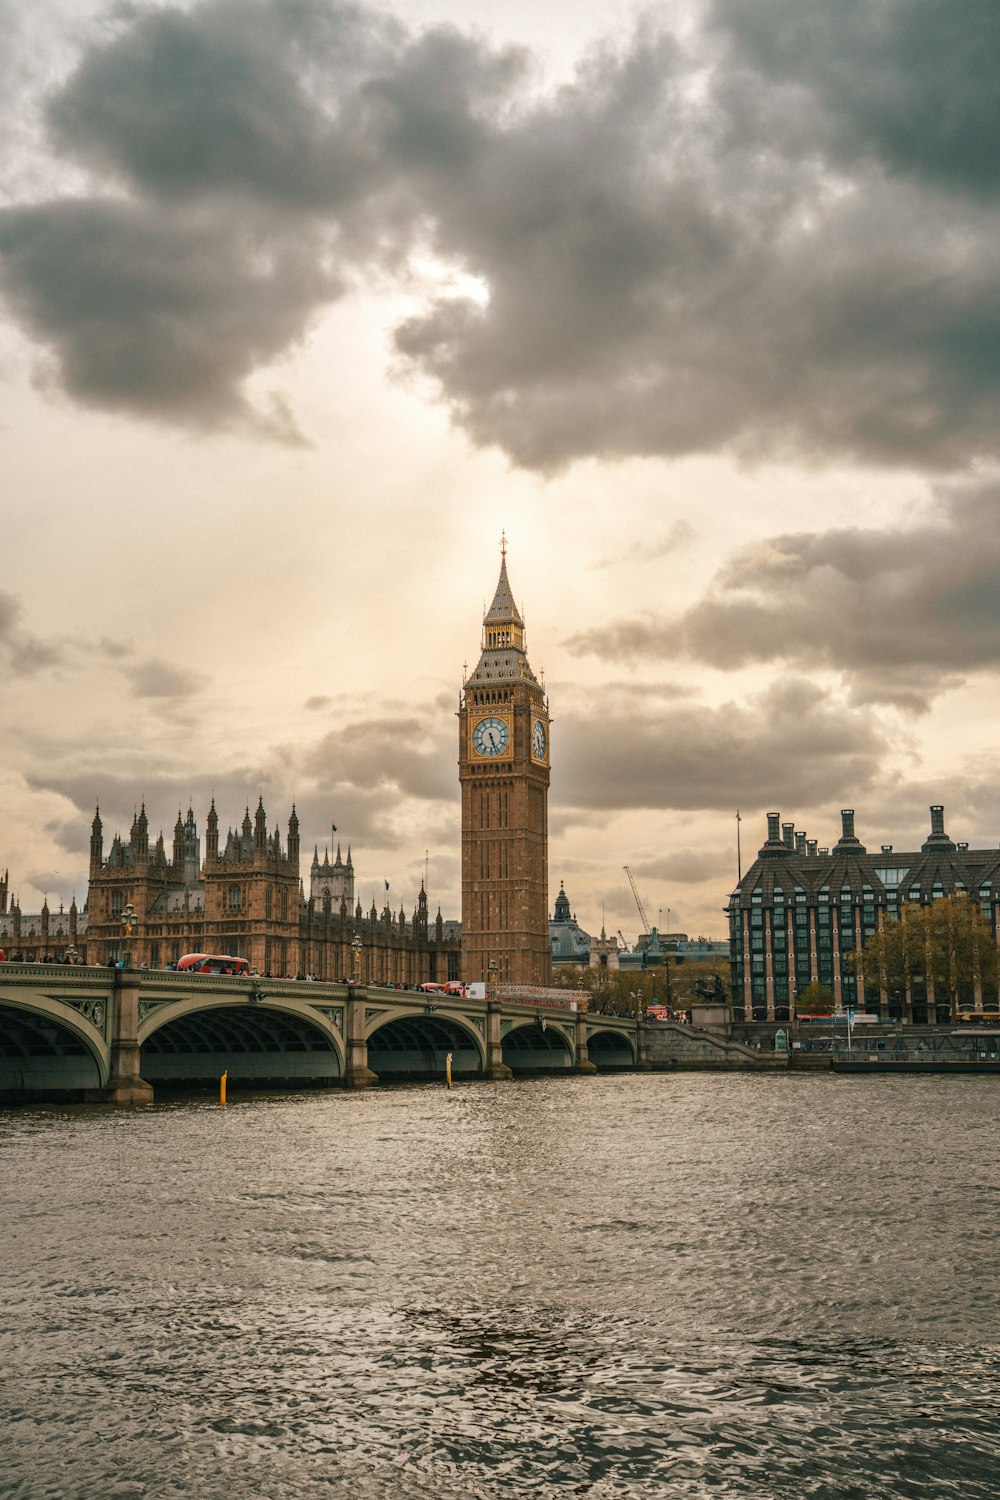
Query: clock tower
[503,760]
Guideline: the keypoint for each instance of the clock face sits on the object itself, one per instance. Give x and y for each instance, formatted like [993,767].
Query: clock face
[491,736]
[538,740]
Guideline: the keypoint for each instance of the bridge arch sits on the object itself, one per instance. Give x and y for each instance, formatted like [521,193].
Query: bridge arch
[48,1048]
[608,1048]
[195,1040]
[538,1045]
[412,1044]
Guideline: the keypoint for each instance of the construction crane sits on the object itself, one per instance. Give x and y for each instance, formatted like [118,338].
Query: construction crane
[623,941]
[642,914]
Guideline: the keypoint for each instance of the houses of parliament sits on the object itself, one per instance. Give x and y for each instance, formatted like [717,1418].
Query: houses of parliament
[244,893]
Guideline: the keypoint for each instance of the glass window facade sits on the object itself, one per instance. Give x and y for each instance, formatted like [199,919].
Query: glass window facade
[837,898]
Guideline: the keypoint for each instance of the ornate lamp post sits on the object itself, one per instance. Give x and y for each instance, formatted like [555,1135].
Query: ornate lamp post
[491,980]
[129,923]
[356,946]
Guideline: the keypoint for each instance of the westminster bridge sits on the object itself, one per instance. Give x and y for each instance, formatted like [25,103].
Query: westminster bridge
[117,1034]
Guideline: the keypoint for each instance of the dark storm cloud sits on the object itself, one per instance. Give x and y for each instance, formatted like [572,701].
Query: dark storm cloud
[266,147]
[778,236]
[159,313]
[396,754]
[793,742]
[902,613]
[24,652]
[232,97]
[912,84]
[669,275]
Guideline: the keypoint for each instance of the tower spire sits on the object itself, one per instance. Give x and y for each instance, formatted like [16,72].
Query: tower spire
[503,657]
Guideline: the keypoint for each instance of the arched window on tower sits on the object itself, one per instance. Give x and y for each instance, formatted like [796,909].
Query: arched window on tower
[233,898]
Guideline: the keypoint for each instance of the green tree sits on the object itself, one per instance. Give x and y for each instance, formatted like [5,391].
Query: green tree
[947,946]
[815,1000]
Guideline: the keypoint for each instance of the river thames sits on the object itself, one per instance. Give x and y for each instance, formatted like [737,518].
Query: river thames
[635,1286]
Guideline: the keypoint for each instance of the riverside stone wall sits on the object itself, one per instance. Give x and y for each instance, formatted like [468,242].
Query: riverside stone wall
[676,1046]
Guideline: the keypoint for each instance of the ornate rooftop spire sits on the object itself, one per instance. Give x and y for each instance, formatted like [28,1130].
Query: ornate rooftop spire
[503,610]
[503,655]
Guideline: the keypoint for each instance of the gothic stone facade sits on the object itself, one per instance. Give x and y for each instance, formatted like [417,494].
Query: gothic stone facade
[37,935]
[246,898]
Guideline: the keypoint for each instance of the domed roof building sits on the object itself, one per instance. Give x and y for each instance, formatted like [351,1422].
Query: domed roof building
[570,944]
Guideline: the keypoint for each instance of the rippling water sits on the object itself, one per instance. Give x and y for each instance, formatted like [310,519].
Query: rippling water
[679,1285]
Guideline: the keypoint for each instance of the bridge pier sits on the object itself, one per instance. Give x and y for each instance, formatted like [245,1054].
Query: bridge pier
[125,1086]
[357,1075]
[495,1065]
[642,1059]
[583,1063]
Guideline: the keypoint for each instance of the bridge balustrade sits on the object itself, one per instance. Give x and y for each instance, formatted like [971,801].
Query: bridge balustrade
[96,1033]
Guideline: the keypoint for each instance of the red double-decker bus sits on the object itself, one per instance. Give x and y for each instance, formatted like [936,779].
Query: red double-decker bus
[213,963]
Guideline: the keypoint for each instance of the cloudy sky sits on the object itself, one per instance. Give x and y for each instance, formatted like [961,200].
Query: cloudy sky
[303,302]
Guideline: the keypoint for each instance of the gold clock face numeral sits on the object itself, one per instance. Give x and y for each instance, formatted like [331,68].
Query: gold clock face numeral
[491,736]
[539,740]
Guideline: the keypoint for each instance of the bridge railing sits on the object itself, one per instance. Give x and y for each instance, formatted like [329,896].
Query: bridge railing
[83,976]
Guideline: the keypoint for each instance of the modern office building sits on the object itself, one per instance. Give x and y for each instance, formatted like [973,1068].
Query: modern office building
[802,914]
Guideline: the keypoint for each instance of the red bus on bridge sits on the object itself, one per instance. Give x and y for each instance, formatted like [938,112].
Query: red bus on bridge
[213,963]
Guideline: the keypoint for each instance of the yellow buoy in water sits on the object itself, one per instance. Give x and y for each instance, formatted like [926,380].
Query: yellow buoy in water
[222,1087]
[447,1067]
